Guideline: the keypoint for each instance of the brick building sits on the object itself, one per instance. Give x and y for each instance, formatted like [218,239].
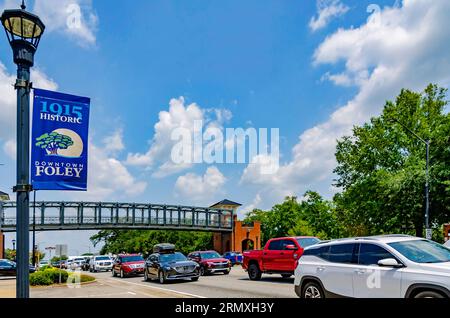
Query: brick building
[244,236]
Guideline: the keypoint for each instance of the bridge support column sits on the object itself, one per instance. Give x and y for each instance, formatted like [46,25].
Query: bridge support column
[222,242]
[2,245]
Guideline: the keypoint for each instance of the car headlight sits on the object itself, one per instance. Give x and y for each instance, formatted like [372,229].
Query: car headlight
[167,268]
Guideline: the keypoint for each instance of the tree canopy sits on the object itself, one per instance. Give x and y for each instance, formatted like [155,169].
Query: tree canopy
[381,167]
[54,141]
[142,241]
[381,176]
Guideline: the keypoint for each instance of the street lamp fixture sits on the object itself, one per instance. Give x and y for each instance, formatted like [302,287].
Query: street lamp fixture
[24,31]
[14,244]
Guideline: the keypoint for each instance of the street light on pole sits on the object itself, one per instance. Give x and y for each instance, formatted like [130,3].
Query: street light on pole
[24,31]
[428,233]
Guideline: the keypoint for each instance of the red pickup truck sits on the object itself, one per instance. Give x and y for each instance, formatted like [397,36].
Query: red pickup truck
[279,256]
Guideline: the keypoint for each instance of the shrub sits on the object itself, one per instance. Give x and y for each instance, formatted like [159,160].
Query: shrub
[40,279]
[53,274]
[75,278]
[86,278]
[48,276]
[43,268]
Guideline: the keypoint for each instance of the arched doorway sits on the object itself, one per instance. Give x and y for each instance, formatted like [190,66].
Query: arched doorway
[248,244]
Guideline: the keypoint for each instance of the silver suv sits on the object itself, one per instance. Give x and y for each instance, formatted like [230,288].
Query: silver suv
[389,266]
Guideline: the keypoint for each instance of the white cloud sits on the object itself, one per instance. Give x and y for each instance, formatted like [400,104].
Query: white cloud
[108,178]
[10,148]
[327,10]
[406,47]
[8,104]
[199,188]
[74,18]
[179,115]
[114,142]
[250,207]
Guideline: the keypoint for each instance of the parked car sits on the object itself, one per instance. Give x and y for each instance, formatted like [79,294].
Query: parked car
[44,263]
[8,268]
[87,263]
[166,264]
[389,266]
[100,263]
[59,264]
[128,264]
[233,257]
[279,256]
[210,262]
[69,264]
[76,262]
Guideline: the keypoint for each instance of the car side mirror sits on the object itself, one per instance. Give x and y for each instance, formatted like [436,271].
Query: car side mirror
[291,247]
[389,262]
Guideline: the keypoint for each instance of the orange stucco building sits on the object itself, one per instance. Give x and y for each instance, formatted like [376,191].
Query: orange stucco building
[244,236]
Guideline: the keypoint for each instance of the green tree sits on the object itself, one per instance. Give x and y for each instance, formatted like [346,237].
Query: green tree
[10,254]
[381,167]
[54,141]
[142,241]
[313,216]
[320,215]
[59,258]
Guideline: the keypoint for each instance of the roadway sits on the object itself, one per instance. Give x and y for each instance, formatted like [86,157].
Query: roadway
[236,284]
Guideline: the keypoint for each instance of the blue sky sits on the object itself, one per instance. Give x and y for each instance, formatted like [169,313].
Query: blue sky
[310,68]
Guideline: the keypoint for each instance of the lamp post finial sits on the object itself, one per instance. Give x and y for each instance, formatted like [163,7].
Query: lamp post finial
[23,6]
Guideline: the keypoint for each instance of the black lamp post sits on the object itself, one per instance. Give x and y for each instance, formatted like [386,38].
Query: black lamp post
[24,31]
[14,245]
[428,234]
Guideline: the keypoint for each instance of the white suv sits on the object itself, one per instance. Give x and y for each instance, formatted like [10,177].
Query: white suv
[100,263]
[389,266]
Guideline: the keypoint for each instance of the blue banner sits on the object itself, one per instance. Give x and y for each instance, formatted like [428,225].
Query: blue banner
[59,144]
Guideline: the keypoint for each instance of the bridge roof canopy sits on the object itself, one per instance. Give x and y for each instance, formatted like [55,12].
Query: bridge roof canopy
[225,202]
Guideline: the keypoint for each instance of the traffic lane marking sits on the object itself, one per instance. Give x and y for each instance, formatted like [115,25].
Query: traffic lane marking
[160,288]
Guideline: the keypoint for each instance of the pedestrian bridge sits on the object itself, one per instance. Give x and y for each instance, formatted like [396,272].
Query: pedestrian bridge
[57,216]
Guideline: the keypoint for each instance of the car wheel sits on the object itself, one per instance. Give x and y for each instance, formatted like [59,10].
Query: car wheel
[90,270]
[122,274]
[286,275]
[194,279]
[202,271]
[113,273]
[161,277]
[254,273]
[227,272]
[428,294]
[146,276]
[312,290]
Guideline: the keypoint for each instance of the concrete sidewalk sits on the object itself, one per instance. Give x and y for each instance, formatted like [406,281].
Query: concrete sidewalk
[8,287]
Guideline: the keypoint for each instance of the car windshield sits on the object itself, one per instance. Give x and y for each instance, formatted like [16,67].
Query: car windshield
[175,257]
[136,258]
[422,251]
[307,241]
[102,258]
[209,255]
